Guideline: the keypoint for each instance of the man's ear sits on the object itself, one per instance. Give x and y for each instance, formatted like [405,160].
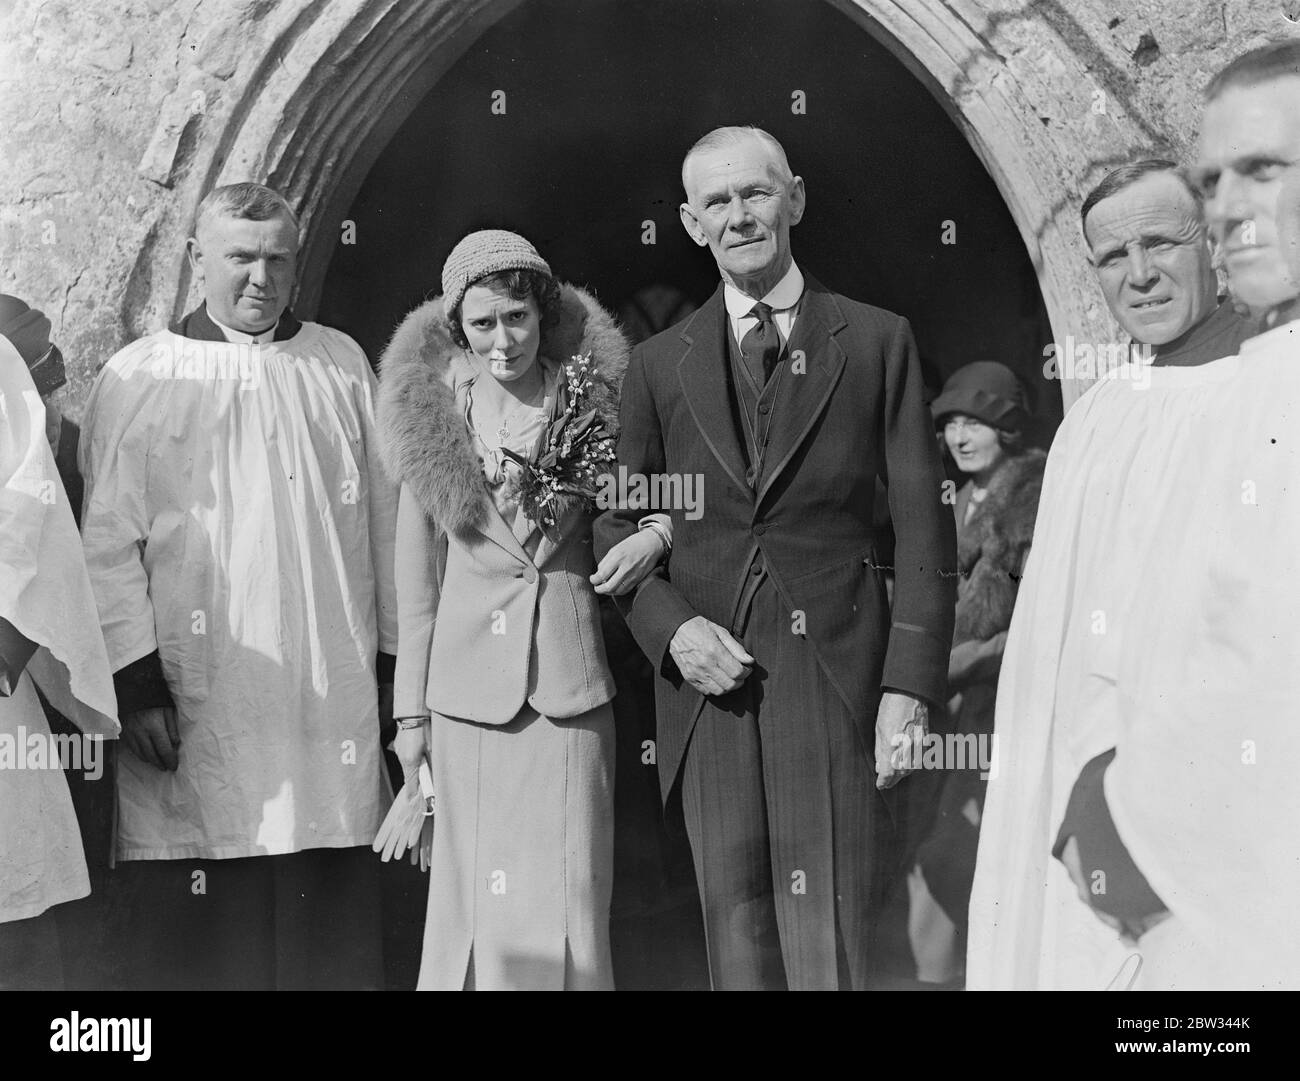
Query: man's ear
[798,200]
[195,254]
[692,225]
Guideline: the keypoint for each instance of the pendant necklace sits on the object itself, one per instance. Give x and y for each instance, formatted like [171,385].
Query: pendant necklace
[503,431]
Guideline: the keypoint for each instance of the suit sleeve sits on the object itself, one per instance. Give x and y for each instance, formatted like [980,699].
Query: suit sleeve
[654,609]
[925,544]
[419,560]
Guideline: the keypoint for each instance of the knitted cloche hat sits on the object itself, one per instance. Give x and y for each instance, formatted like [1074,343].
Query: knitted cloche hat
[985,390]
[489,251]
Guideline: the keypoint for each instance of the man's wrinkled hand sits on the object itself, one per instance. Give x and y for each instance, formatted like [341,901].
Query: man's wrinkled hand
[709,657]
[902,722]
[153,737]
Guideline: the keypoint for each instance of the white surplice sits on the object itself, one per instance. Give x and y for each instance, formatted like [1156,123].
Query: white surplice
[239,521]
[1204,789]
[45,593]
[1111,482]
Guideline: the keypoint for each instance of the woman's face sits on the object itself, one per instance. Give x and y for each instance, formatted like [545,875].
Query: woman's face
[973,444]
[503,333]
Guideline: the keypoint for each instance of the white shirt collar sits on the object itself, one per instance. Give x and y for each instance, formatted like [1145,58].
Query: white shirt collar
[238,337]
[782,296]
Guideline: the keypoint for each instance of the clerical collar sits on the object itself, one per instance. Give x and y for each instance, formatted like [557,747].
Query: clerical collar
[241,338]
[785,294]
[199,326]
[1218,335]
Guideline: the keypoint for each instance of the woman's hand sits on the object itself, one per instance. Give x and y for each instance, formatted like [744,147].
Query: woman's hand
[627,563]
[411,745]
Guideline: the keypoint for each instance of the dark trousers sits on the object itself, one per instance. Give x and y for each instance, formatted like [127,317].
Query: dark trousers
[31,957]
[780,802]
[305,921]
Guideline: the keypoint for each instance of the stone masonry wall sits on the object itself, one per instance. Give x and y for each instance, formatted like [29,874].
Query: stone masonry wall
[116,115]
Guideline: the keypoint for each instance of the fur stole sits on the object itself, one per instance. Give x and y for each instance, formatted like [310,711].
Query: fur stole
[993,545]
[423,439]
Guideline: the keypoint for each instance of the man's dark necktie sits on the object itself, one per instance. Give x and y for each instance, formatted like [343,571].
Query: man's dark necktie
[761,345]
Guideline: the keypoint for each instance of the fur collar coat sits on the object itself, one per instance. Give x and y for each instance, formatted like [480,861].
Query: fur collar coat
[424,441]
[993,545]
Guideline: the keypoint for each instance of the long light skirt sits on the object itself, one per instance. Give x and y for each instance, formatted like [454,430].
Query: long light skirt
[523,854]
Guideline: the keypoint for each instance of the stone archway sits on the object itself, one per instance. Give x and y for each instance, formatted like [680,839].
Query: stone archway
[328,84]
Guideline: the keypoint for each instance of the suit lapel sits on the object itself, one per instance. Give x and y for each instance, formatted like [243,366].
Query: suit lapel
[800,398]
[494,528]
[702,375]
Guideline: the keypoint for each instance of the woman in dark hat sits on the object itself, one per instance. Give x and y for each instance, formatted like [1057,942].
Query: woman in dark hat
[981,415]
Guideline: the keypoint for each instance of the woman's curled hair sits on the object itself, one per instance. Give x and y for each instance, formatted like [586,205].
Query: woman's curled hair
[518,284]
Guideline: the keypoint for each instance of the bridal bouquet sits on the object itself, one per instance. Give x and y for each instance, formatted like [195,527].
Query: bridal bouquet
[572,452]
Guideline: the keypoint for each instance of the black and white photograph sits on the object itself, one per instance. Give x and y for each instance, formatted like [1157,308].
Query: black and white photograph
[650,495]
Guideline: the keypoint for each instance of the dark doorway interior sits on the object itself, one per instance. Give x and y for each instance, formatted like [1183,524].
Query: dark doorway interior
[602,98]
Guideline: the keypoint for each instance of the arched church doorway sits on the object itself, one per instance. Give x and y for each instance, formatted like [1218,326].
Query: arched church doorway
[567,122]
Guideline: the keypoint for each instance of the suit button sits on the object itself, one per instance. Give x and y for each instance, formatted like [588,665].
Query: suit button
[757,568]
[760,529]
[765,409]
[530,575]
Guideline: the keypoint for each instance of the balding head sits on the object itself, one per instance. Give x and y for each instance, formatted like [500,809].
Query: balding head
[732,135]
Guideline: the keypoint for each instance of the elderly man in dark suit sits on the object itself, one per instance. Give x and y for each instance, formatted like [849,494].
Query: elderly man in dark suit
[789,693]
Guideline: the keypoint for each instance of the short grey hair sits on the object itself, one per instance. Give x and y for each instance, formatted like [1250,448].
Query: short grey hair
[732,134]
[255,202]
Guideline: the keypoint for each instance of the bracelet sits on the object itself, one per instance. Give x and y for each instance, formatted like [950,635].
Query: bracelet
[411,722]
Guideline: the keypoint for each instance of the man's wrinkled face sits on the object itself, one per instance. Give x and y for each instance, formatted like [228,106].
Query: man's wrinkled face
[740,202]
[1152,259]
[1246,167]
[248,269]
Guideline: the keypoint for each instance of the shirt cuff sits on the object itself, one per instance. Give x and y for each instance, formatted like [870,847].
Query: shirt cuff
[141,685]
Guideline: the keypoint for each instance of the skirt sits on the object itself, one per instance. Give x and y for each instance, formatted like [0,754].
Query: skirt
[523,854]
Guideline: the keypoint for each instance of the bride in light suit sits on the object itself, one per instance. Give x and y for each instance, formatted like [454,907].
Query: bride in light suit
[502,678]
